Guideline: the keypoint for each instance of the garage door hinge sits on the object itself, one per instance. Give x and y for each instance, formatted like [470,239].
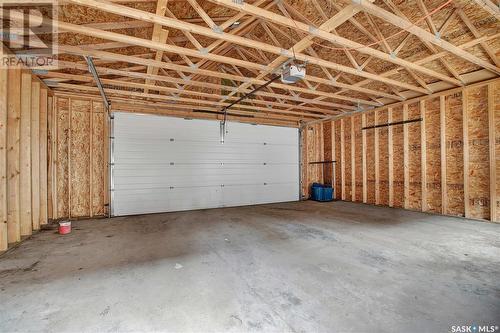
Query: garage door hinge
[112,137]
[112,164]
[172,139]
[172,163]
[171,187]
[265,183]
[222,185]
[265,143]
[264,163]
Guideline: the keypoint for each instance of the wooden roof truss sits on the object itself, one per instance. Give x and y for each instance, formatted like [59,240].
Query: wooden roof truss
[359,55]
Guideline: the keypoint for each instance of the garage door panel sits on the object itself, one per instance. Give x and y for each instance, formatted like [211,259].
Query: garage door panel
[169,164]
[259,172]
[179,153]
[161,200]
[223,178]
[205,130]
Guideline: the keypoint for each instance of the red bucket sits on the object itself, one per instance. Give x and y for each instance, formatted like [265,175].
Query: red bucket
[64,227]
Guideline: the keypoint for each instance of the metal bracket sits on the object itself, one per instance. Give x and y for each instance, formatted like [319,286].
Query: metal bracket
[313,30]
[218,29]
[285,53]
[40,71]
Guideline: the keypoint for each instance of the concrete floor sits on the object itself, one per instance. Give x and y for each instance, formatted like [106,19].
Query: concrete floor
[300,267]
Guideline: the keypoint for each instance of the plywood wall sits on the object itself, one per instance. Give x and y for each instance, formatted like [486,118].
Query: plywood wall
[23,168]
[444,164]
[78,158]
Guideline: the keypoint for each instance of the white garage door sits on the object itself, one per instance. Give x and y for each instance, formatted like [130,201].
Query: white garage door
[163,164]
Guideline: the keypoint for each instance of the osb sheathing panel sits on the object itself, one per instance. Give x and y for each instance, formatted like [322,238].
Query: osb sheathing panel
[78,181]
[414,159]
[50,156]
[398,158]
[304,164]
[496,99]
[338,164]
[358,158]
[370,158]
[327,144]
[383,158]
[477,109]
[313,145]
[479,163]
[433,155]
[454,155]
[347,158]
[98,167]
[80,157]
[62,170]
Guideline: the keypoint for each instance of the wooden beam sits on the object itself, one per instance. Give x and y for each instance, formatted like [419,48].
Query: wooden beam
[25,156]
[169,79]
[477,34]
[390,147]
[306,42]
[141,61]
[4,241]
[423,156]
[327,36]
[125,103]
[176,24]
[334,165]
[425,35]
[353,162]
[490,7]
[377,161]
[186,102]
[204,16]
[442,130]
[159,35]
[342,156]
[91,157]
[406,160]
[427,59]
[35,155]
[13,130]
[492,149]
[180,92]
[70,142]
[43,157]
[465,128]
[365,179]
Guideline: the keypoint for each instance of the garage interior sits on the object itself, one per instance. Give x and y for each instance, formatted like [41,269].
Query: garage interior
[187,140]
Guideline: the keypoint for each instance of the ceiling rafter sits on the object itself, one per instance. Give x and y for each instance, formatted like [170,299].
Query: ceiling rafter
[159,35]
[330,37]
[207,61]
[134,13]
[404,24]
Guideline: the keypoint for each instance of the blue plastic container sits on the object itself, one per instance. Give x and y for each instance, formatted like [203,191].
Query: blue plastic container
[320,192]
